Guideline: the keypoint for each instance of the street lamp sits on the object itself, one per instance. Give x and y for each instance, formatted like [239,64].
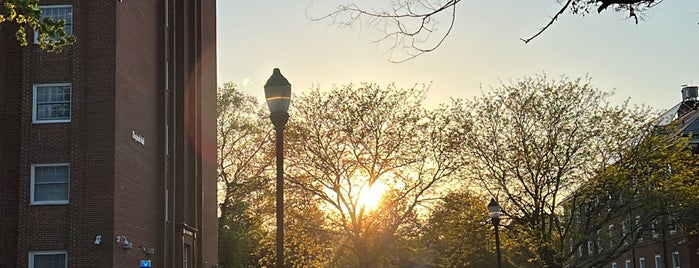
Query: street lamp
[278,94]
[495,211]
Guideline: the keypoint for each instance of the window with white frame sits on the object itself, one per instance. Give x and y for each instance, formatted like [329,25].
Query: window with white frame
[654,228]
[614,265]
[57,13]
[580,250]
[49,184]
[672,226]
[658,262]
[51,103]
[627,264]
[590,247]
[611,235]
[48,259]
[639,229]
[641,262]
[675,259]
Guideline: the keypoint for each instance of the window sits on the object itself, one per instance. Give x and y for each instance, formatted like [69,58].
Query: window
[639,229]
[625,231]
[641,262]
[658,263]
[627,264]
[672,226]
[614,265]
[675,259]
[49,184]
[611,235]
[590,247]
[654,228]
[51,103]
[185,256]
[48,259]
[599,241]
[57,13]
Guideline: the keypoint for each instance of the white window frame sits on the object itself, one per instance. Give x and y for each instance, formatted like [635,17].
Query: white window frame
[590,247]
[639,229]
[658,261]
[611,235]
[33,182]
[627,264]
[32,254]
[672,226]
[614,265]
[68,31]
[34,104]
[654,228]
[676,259]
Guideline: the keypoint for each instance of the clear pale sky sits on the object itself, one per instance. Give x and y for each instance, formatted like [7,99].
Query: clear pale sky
[646,62]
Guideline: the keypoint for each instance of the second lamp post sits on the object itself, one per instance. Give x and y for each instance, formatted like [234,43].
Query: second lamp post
[278,95]
[495,211]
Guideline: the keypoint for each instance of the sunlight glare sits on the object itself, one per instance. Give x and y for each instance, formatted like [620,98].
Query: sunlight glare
[370,197]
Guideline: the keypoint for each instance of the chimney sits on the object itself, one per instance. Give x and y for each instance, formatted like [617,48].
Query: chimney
[690,95]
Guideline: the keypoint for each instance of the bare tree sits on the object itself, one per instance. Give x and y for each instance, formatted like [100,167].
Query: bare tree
[412,24]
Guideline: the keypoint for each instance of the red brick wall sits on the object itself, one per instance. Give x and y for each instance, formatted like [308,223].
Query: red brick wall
[139,188]
[208,131]
[10,92]
[116,69]
[86,142]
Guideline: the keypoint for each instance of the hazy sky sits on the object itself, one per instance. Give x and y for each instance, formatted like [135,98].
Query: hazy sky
[646,62]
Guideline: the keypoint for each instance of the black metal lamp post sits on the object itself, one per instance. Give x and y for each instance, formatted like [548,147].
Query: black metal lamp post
[495,211]
[278,94]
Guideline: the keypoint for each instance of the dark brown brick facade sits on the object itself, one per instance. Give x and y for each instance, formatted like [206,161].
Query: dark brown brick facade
[132,78]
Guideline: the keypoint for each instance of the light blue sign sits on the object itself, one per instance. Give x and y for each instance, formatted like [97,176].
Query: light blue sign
[145,264]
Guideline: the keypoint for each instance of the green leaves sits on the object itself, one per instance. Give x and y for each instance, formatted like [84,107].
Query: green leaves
[51,35]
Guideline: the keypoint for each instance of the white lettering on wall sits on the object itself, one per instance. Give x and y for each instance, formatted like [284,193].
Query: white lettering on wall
[138,138]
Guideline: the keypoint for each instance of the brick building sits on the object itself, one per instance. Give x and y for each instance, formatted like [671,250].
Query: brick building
[107,149]
[646,240]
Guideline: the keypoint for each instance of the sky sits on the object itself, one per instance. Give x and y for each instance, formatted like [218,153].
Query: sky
[645,62]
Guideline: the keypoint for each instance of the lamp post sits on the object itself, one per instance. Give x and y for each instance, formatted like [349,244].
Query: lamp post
[495,211]
[278,95]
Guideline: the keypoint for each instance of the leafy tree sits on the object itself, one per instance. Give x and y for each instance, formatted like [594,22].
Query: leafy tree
[534,143]
[650,185]
[412,25]
[345,141]
[26,14]
[459,232]
[243,168]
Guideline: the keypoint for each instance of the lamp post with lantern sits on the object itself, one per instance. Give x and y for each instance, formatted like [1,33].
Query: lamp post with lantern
[278,95]
[495,212]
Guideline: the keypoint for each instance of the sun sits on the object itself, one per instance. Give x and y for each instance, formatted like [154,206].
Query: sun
[370,196]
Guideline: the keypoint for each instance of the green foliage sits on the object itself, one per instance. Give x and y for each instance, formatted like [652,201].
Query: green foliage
[27,15]
[343,141]
[243,165]
[651,181]
[560,159]
[240,236]
[459,232]
[535,142]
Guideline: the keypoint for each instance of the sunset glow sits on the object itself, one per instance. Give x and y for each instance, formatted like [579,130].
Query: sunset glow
[370,196]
